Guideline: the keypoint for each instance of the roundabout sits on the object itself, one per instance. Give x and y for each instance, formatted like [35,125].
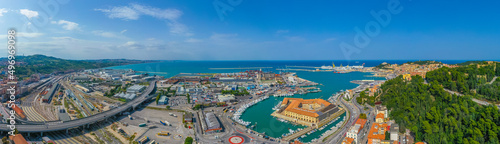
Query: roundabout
[236,140]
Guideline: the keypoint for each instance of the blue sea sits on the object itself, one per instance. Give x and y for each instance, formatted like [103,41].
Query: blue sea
[260,114]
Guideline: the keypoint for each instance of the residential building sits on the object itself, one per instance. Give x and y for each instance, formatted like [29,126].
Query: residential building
[18,139]
[355,130]
[348,140]
[379,118]
[382,109]
[394,132]
[377,133]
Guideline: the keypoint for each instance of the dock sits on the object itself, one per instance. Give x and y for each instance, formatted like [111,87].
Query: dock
[241,68]
[150,72]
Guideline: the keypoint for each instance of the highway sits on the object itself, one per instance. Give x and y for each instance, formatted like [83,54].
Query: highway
[352,115]
[84,121]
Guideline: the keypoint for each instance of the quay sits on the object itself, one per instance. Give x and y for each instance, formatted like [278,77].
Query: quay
[241,68]
[308,129]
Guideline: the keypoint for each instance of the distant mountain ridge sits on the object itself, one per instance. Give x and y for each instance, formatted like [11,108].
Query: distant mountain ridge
[27,65]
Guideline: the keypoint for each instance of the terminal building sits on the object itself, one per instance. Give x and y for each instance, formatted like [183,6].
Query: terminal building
[306,112]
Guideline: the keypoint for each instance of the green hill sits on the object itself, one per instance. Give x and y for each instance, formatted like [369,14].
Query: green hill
[27,65]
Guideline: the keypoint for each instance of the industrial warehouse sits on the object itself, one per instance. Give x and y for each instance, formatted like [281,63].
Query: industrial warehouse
[212,123]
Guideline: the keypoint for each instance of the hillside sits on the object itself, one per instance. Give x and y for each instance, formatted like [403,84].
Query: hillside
[27,65]
[437,117]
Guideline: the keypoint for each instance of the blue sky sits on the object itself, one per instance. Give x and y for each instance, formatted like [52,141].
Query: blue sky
[255,30]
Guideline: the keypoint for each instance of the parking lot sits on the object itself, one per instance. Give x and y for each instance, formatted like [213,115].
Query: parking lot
[153,126]
[177,100]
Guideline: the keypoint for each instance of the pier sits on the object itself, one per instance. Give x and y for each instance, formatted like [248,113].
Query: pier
[305,67]
[150,72]
[241,68]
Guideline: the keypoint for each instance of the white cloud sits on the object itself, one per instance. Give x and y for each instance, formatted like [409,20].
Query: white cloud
[28,13]
[125,13]
[130,43]
[67,25]
[29,35]
[123,31]
[134,11]
[169,14]
[2,11]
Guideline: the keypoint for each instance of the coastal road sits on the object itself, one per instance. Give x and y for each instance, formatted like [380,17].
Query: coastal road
[55,126]
[353,113]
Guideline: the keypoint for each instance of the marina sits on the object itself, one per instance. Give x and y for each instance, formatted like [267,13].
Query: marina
[239,111]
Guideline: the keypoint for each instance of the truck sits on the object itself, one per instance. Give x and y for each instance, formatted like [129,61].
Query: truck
[165,123]
[143,140]
[130,117]
[164,133]
[152,142]
[142,125]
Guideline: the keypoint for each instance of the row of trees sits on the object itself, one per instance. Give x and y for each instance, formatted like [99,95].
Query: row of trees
[365,98]
[435,116]
[467,79]
[235,92]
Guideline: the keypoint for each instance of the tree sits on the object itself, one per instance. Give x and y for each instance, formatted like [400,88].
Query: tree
[197,106]
[359,100]
[387,135]
[189,140]
[362,116]
[4,139]
[168,107]
[188,98]
[436,116]
[453,86]
[158,98]
[497,69]
[362,94]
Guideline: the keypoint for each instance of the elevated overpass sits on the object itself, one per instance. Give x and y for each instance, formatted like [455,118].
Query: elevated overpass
[56,126]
